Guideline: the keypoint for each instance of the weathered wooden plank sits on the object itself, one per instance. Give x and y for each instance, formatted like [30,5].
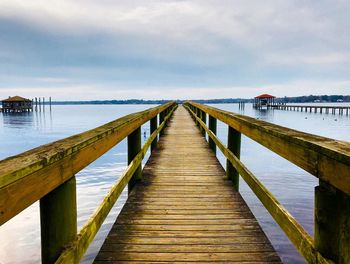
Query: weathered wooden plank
[194,257]
[295,232]
[185,209]
[256,247]
[76,250]
[58,220]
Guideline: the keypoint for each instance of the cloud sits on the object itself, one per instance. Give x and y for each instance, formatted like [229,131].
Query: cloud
[175,43]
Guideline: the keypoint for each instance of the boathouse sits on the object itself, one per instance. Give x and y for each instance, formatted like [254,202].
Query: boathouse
[17,104]
[264,100]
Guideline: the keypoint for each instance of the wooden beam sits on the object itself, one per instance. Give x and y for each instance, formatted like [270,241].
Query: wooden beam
[318,155]
[74,251]
[134,147]
[58,220]
[28,177]
[234,145]
[212,127]
[332,223]
[153,127]
[295,232]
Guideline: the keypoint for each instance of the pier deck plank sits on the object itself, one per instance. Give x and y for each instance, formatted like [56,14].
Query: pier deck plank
[184,210]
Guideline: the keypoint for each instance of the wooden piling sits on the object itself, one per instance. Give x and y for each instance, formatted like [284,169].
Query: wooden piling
[153,127]
[212,127]
[134,147]
[58,220]
[234,145]
[161,119]
[203,117]
[332,223]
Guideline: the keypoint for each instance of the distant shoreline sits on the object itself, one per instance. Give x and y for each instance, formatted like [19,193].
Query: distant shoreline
[298,99]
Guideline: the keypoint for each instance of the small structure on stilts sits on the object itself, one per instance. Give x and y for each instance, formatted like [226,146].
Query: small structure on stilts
[17,104]
[264,101]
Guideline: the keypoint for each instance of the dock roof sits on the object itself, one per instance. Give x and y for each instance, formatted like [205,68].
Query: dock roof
[15,99]
[265,96]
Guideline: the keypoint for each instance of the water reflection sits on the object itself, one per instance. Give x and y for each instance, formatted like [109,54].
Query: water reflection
[18,120]
[264,114]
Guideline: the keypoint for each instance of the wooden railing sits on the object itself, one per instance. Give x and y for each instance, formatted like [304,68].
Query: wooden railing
[325,158]
[47,174]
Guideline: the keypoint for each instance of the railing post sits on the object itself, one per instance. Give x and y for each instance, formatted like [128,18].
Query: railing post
[204,119]
[134,147]
[233,144]
[58,220]
[161,119]
[332,223]
[153,127]
[212,127]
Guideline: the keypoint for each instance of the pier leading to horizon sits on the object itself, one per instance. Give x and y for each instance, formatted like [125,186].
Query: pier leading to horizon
[183,206]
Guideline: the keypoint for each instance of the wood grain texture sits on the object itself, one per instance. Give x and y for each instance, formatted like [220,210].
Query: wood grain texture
[29,176]
[184,209]
[318,155]
[74,251]
[295,232]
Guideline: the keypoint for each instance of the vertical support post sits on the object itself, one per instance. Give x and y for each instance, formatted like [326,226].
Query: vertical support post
[50,103]
[212,127]
[134,147]
[332,223]
[204,119]
[233,144]
[161,119]
[58,220]
[153,127]
[197,114]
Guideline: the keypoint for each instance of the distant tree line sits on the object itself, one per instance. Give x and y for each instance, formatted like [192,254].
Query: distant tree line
[297,99]
[98,102]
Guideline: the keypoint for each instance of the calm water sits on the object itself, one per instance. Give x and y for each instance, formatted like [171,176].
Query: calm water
[20,237]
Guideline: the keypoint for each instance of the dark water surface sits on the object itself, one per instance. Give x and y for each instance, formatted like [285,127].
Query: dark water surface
[20,237]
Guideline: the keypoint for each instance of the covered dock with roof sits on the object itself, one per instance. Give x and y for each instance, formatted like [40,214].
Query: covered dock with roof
[264,100]
[17,104]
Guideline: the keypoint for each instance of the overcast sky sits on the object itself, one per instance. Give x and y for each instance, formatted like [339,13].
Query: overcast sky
[108,49]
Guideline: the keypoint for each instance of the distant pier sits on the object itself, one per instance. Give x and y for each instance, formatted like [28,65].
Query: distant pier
[18,104]
[341,110]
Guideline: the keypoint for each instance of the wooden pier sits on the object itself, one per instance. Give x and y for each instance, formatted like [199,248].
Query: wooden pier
[184,209]
[340,110]
[183,206]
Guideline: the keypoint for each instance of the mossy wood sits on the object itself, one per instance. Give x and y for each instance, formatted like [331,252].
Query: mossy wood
[28,177]
[318,155]
[76,250]
[184,209]
[134,147]
[212,127]
[295,232]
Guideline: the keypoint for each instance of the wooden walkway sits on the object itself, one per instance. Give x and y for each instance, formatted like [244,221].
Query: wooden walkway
[184,210]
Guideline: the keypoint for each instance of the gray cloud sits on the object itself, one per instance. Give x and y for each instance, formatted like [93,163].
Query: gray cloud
[190,46]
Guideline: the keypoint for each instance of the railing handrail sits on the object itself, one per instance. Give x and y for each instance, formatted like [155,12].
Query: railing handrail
[294,231]
[315,154]
[46,167]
